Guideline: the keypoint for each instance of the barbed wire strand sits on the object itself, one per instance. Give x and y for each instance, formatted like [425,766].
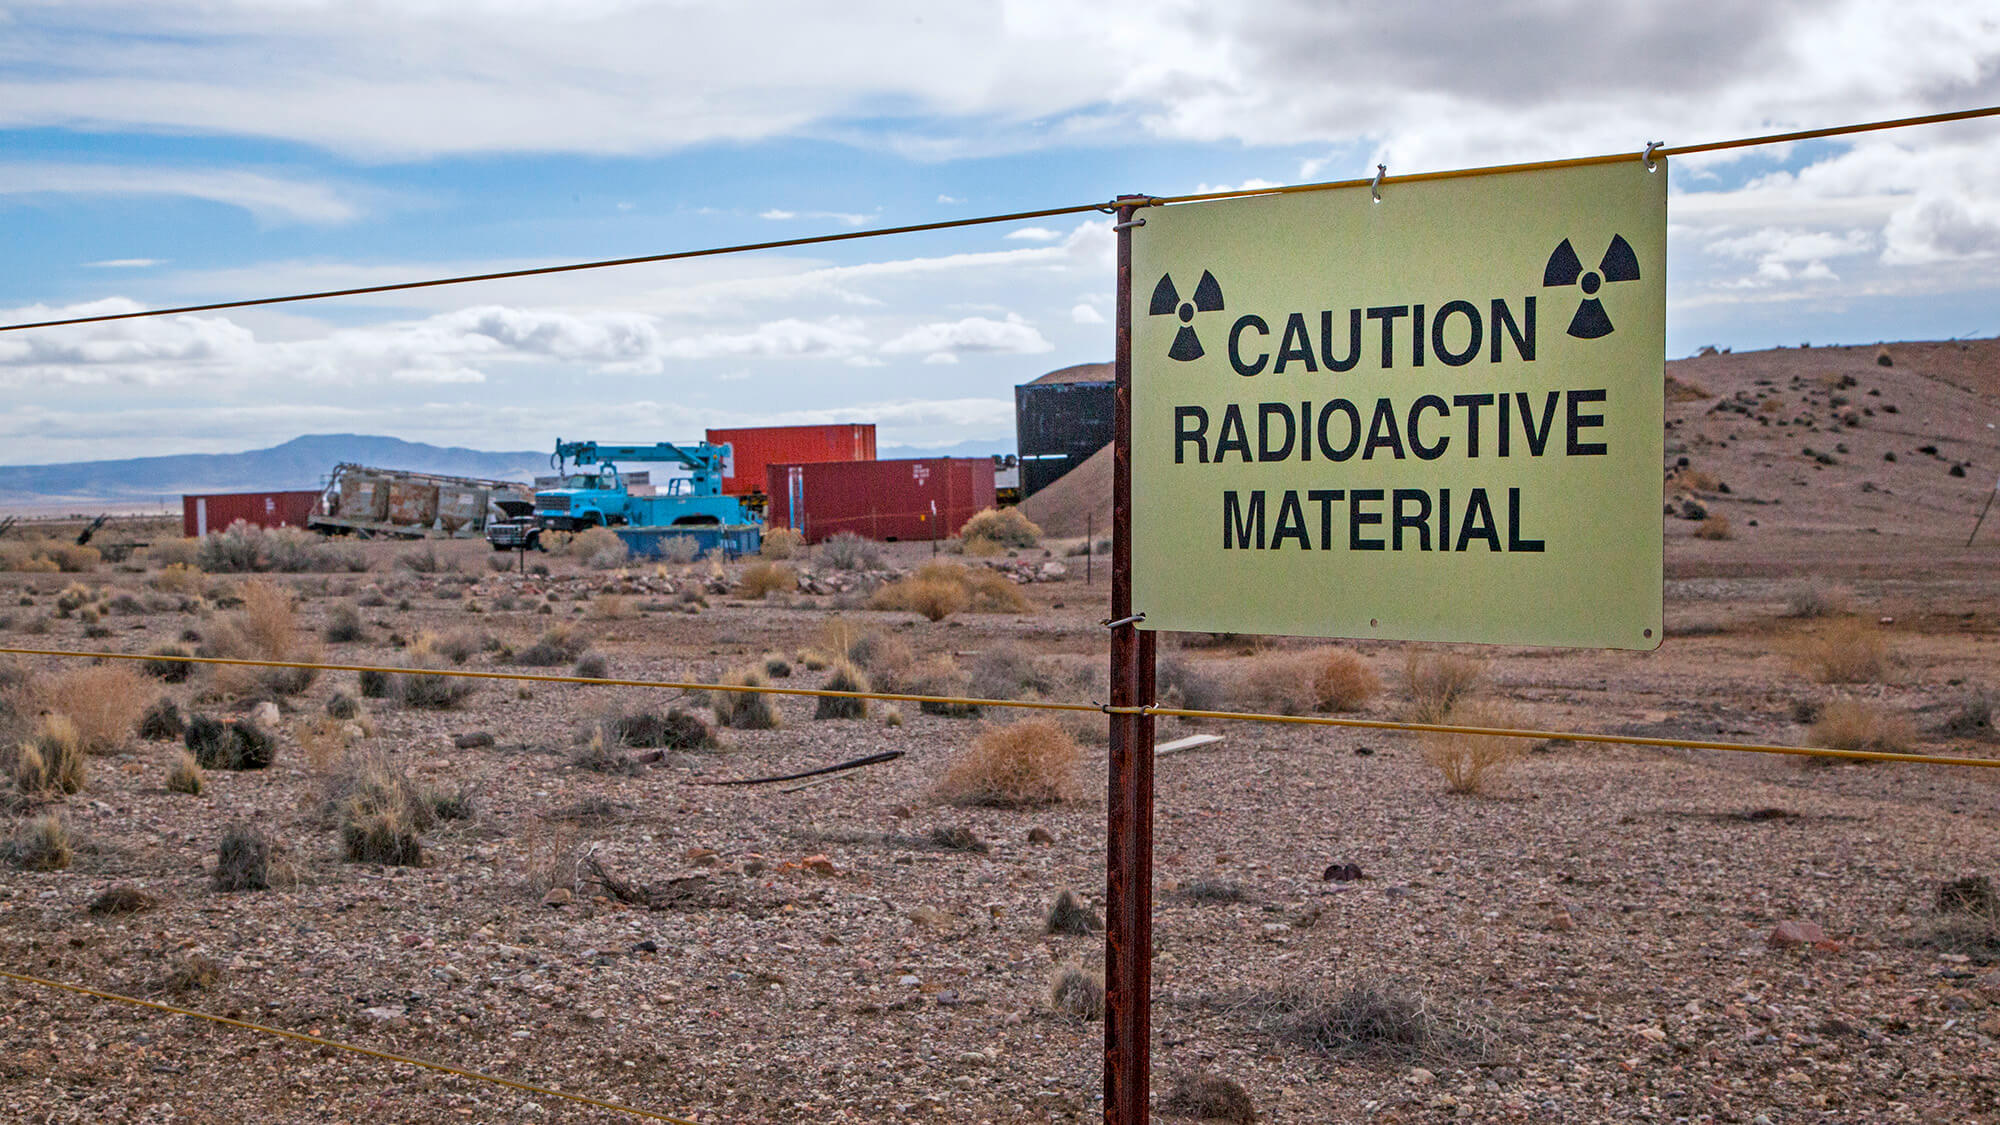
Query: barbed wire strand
[1015,216]
[319,1041]
[1052,705]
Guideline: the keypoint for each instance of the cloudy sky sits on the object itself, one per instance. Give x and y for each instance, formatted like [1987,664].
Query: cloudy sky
[159,153]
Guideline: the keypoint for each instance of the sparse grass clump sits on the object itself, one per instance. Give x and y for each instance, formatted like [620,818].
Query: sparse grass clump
[52,761]
[1213,891]
[1846,652]
[1469,762]
[1810,598]
[845,677]
[1000,527]
[266,628]
[1342,681]
[381,810]
[847,551]
[119,900]
[103,701]
[372,684]
[765,577]
[1209,1097]
[592,666]
[934,598]
[745,710]
[242,860]
[675,730]
[939,675]
[245,549]
[560,644]
[1847,724]
[217,745]
[185,775]
[958,838]
[343,625]
[1024,764]
[1077,992]
[1008,671]
[1374,1019]
[1971,717]
[183,579]
[1069,915]
[1436,681]
[41,844]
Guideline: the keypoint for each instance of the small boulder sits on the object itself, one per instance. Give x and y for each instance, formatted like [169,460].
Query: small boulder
[558,897]
[265,716]
[1789,935]
[472,740]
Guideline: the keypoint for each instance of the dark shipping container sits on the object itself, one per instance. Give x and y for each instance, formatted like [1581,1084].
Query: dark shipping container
[922,498]
[1057,427]
[216,511]
[754,447]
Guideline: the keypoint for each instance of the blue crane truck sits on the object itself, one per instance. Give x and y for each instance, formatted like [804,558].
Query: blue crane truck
[593,493]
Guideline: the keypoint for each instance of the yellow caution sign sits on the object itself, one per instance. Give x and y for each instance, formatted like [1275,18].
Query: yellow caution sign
[1435,417]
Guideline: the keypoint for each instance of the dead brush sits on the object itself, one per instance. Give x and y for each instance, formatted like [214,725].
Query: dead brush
[765,577]
[380,811]
[940,676]
[781,543]
[599,755]
[1370,1019]
[555,859]
[265,628]
[675,730]
[242,860]
[51,762]
[162,721]
[169,664]
[560,644]
[103,701]
[1213,891]
[1342,681]
[1001,527]
[120,900]
[239,745]
[1848,724]
[957,838]
[429,691]
[1715,527]
[1077,992]
[1810,598]
[185,775]
[1069,915]
[745,709]
[845,677]
[41,844]
[1435,682]
[1025,764]
[1208,1097]
[1469,762]
[1846,652]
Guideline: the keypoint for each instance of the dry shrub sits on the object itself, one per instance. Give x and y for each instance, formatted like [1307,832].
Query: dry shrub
[1024,764]
[324,741]
[934,598]
[266,628]
[1077,992]
[1277,682]
[343,625]
[958,838]
[169,553]
[555,859]
[845,677]
[162,721]
[610,607]
[1810,597]
[1971,716]
[599,548]
[52,761]
[192,973]
[763,577]
[1847,724]
[1436,681]
[121,899]
[185,775]
[1697,480]
[1715,527]
[1468,762]
[242,860]
[675,730]
[1209,1097]
[939,675]
[245,549]
[431,691]
[886,658]
[1004,527]
[1181,683]
[993,592]
[559,645]
[1008,671]
[598,755]
[184,579]
[1070,915]
[72,559]
[1373,1019]
[745,710]
[381,810]
[104,701]
[169,664]
[847,551]
[41,844]
[781,543]
[1846,652]
[240,745]
[591,666]
[1342,681]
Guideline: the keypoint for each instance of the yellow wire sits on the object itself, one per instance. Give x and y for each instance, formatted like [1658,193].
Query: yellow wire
[1048,705]
[317,1041]
[1072,209]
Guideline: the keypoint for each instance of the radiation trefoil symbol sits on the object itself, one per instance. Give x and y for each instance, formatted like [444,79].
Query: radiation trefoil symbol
[1619,264]
[1166,300]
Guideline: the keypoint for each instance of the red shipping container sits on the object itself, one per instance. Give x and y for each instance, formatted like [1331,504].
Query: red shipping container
[216,511]
[755,447]
[923,498]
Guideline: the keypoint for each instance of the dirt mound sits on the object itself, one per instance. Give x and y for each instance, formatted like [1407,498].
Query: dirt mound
[1062,509]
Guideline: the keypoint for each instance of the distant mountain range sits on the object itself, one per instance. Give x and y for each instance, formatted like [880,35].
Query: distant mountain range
[303,463]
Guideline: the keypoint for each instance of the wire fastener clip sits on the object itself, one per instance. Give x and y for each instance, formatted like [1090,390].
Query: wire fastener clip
[1375,187]
[1132,620]
[1647,156]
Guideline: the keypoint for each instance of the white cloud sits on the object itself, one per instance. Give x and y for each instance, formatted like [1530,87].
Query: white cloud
[973,334]
[1085,314]
[125,263]
[834,336]
[776,215]
[272,199]
[949,199]
[940,359]
[1033,234]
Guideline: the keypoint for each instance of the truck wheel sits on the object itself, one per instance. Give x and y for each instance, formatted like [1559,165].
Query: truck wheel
[535,542]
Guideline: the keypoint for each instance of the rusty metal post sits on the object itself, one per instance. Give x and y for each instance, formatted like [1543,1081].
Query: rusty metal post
[1128,939]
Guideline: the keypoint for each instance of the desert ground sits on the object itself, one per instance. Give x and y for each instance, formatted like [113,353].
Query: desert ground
[1592,933]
